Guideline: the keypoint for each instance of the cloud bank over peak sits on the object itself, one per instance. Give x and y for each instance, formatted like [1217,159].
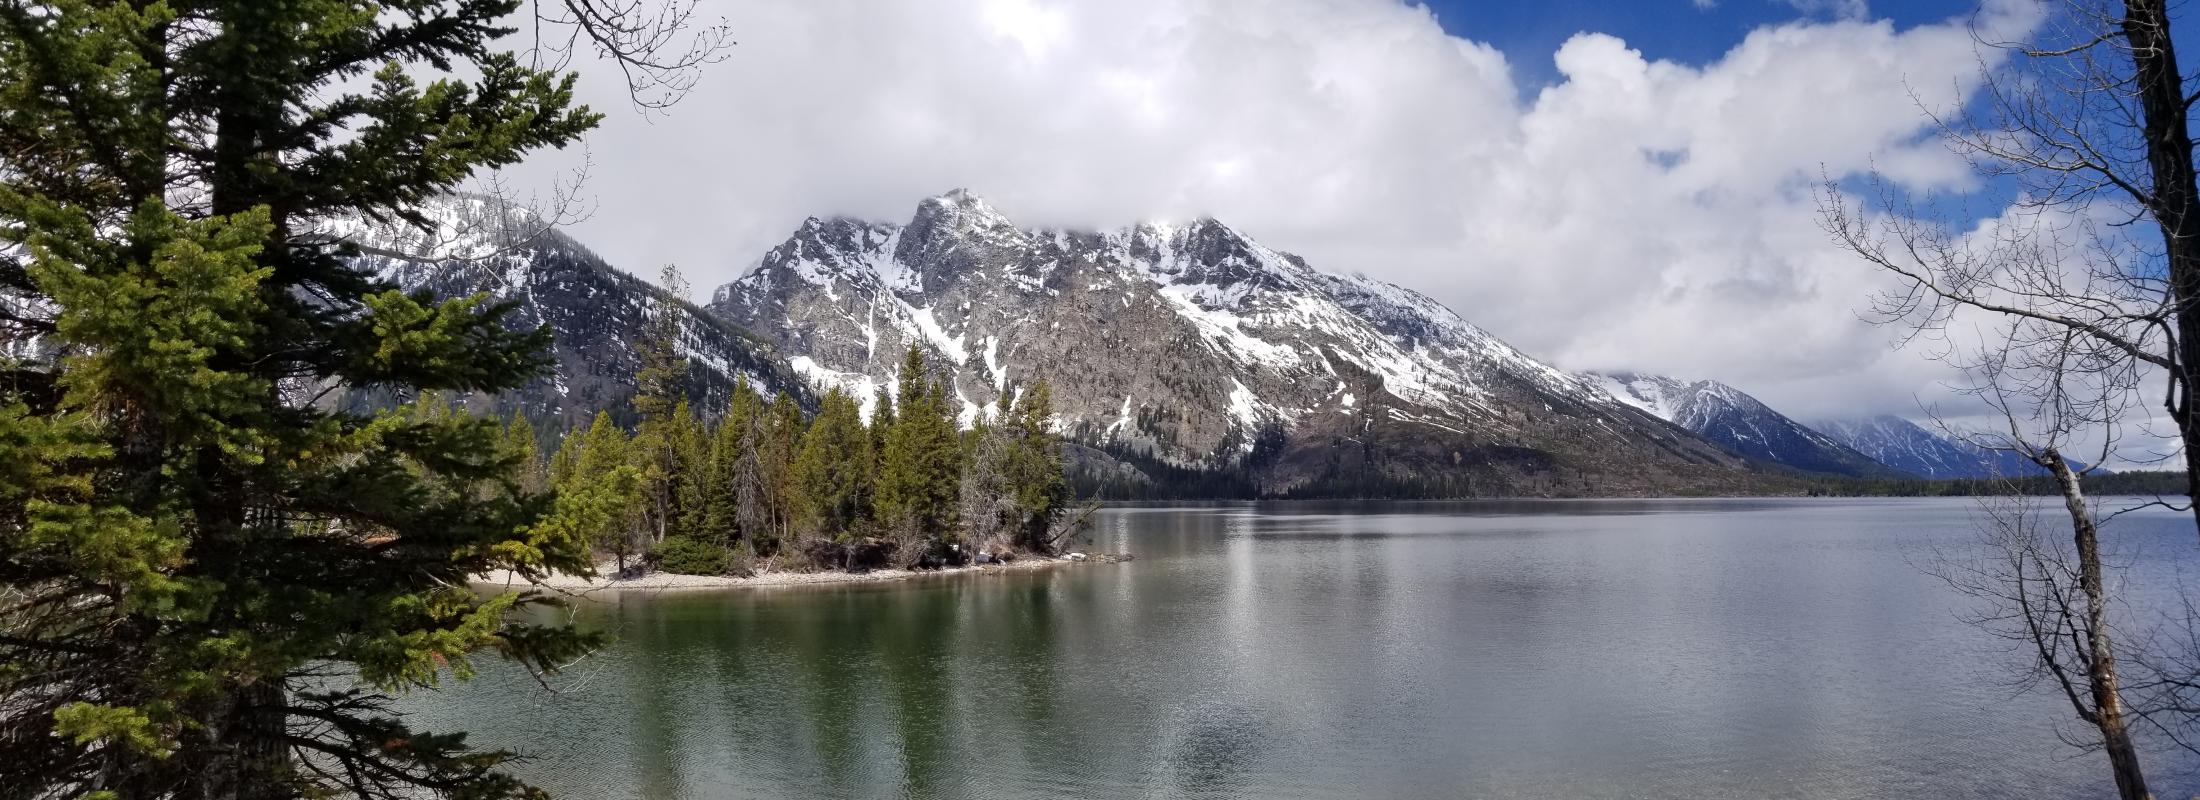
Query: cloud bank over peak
[1637,214]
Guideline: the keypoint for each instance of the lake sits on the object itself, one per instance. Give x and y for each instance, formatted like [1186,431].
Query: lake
[1580,649]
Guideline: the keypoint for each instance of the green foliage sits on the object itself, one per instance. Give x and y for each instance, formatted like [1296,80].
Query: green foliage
[832,474]
[663,372]
[716,488]
[660,401]
[692,470]
[920,472]
[205,577]
[1013,487]
[685,556]
[882,420]
[520,445]
[780,435]
[1034,468]
[602,451]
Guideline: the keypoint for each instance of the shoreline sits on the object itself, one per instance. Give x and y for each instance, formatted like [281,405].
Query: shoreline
[669,581]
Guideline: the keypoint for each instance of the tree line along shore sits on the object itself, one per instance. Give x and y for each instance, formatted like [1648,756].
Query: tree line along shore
[760,486]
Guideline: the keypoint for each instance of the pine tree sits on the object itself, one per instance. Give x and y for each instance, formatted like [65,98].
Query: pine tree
[832,475]
[721,507]
[520,444]
[782,435]
[662,376]
[431,407]
[1035,469]
[691,476]
[659,401]
[605,449]
[918,480]
[751,507]
[209,584]
[882,420]
[565,461]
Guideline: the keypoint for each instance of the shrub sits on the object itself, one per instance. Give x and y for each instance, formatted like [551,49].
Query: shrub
[681,555]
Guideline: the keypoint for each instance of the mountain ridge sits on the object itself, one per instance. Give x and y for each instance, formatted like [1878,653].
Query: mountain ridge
[595,312]
[1194,345]
[1914,449]
[1740,422]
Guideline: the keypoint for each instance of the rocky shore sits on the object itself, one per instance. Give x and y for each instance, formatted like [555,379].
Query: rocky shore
[666,581]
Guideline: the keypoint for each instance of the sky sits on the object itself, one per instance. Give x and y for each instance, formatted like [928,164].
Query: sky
[1606,185]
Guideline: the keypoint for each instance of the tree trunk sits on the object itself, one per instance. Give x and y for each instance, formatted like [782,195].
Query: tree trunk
[2175,204]
[2108,705]
[243,756]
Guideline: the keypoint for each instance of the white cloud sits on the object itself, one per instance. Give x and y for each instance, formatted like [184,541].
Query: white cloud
[1638,214]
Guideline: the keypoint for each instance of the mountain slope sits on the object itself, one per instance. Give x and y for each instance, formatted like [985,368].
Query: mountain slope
[596,314]
[1906,446]
[1740,422]
[1193,346]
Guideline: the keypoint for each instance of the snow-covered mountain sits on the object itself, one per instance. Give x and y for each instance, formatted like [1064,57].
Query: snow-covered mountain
[1738,421]
[1193,346]
[1909,447]
[596,313]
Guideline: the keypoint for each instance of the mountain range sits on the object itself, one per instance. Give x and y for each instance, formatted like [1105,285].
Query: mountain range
[1191,346]
[1170,349]
[1912,449]
[1742,423]
[596,314]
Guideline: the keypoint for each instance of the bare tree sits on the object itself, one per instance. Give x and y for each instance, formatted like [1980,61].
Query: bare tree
[2089,120]
[660,46]
[2053,389]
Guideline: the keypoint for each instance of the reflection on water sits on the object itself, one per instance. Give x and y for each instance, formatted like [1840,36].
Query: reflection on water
[1733,649]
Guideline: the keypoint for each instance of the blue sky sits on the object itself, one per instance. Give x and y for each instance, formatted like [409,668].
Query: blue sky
[1676,30]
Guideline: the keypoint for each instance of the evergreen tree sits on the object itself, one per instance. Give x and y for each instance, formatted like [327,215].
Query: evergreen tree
[208,584]
[882,420]
[832,474]
[659,401]
[520,444]
[605,449]
[1013,485]
[1034,468]
[565,462]
[691,476]
[431,407]
[720,517]
[782,435]
[751,512]
[918,480]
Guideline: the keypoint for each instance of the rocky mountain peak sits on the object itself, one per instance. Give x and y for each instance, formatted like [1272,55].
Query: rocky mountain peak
[1191,344]
[955,234]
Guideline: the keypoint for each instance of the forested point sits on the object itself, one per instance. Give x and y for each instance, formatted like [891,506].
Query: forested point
[760,485]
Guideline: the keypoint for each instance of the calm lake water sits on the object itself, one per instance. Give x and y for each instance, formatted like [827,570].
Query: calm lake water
[1593,649]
